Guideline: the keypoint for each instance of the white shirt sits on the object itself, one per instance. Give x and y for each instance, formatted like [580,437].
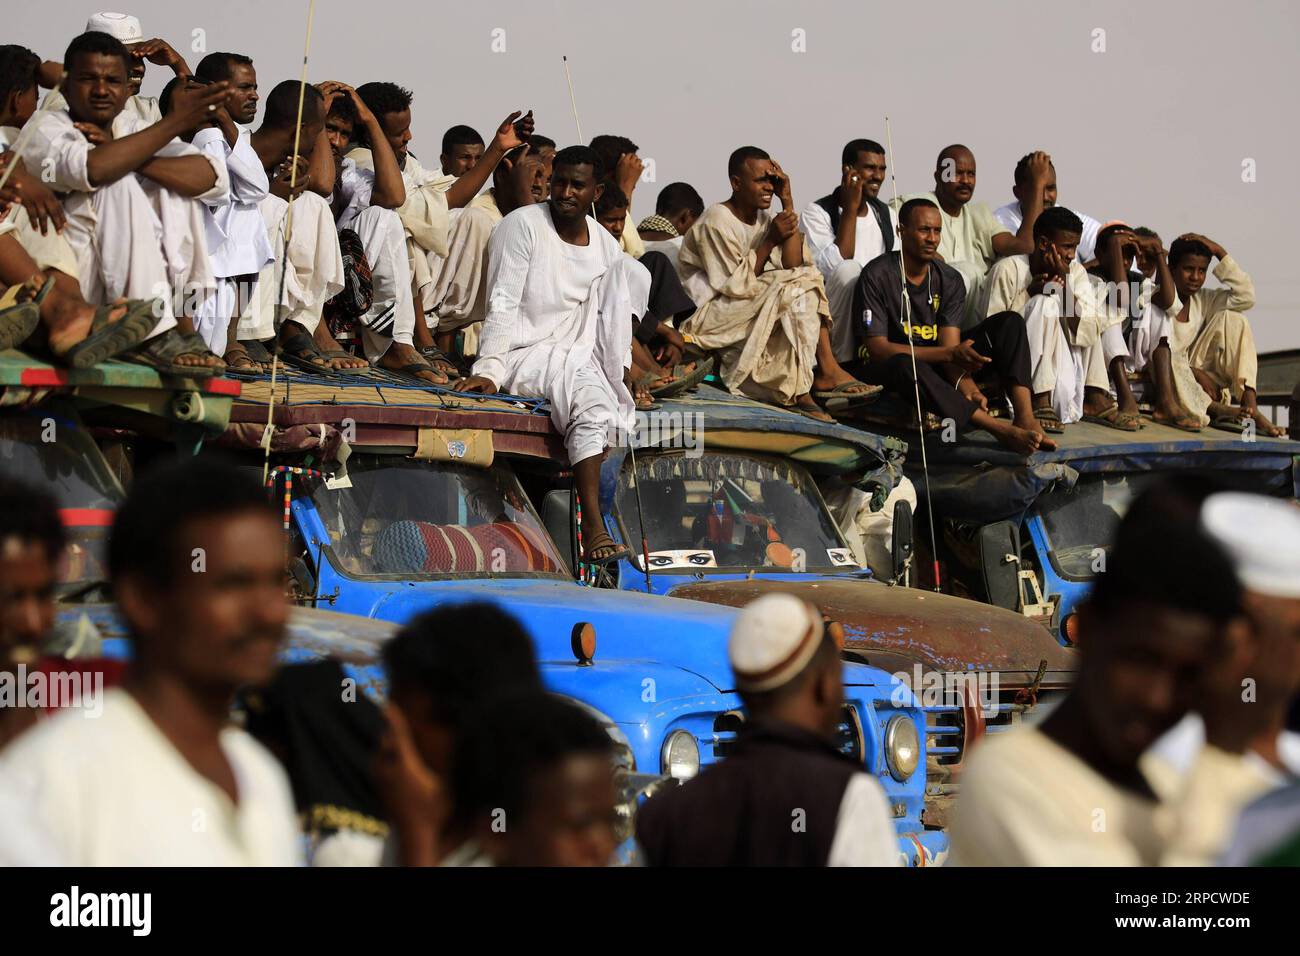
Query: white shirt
[864,826]
[236,230]
[1180,745]
[669,247]
[354,187]
[535,281]
[1011,216]
[868,241]
[114,791]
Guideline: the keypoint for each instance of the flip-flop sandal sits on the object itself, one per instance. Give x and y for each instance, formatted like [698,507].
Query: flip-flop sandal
[301,352]
[841,398]
[684,380]
[1229,423]
[1111,418]
[161,352]
[1186,424]
[816,414]
[258,352]
[436,356]
[343,354]
[251,369]
[603,540]
[109,338]
[1050,421]
[1131,418]
[200,347]
[18,320]
[411,368]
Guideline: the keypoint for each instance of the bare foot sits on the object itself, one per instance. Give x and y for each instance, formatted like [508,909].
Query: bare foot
[828,380]
[1023,441]
[1032,424]
[1262,425]
[336,356]
[1176,416]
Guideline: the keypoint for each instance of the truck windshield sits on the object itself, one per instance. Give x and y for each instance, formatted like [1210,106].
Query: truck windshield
[420,519]
[730,512]
[1080,522]
[54,453]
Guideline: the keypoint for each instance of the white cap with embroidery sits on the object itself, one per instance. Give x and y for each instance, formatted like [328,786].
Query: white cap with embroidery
[773,640]
[121,25]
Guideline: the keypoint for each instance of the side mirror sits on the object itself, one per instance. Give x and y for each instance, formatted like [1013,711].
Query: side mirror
[999,551]
[900,546]
[557,517]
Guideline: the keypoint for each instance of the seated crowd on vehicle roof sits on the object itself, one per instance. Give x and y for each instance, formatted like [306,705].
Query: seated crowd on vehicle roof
[177,233]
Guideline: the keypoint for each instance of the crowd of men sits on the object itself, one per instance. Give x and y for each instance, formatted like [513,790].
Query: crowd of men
[175,233]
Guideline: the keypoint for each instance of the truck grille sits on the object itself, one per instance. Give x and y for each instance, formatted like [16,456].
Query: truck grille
[848,734]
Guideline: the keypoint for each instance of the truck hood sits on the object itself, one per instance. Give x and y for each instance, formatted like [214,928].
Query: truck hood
[629,627]
[895,628]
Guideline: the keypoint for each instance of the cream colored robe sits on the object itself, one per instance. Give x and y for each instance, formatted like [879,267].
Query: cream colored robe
[1216,337]
[1027,801]
[762,320]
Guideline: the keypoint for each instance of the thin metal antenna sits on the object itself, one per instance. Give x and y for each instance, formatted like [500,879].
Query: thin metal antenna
[911,348]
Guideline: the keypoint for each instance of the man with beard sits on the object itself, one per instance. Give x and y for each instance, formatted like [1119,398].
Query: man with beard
[845,231]
[162,777]
[559,325]
[1075,789]
[236,232]
[133,196]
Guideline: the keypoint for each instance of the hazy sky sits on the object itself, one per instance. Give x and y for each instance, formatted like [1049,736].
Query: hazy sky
[1153,130]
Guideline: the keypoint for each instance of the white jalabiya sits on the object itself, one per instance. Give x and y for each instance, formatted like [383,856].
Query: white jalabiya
[762,319]
[1027,801]
[1063,361]
[143,109]
[236,232]
[1217,338]
[131,237]
[559,325]
[672,248]
[314,273]
[49,250]
[391,317]
[840,274]
[456,294]
[114,791]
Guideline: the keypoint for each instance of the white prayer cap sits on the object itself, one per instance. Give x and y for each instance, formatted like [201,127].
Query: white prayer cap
[1262,537]
[773,640]
[121,25]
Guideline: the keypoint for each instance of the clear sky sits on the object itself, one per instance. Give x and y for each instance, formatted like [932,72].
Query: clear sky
[1153,128]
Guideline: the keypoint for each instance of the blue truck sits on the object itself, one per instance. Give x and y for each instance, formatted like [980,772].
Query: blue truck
[406,499]
[726,506]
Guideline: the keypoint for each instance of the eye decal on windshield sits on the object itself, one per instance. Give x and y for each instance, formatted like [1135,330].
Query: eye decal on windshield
[680,559]
[840,557]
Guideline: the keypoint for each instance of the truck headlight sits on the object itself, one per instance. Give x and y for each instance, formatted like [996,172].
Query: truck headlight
[902,747]
[680,757]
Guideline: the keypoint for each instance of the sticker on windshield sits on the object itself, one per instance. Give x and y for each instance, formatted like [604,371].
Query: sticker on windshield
[692,558]
[841,557]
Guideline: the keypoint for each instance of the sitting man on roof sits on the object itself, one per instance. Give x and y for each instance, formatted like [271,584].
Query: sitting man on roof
[622,169]
[846,230]
[132,195]
[1029,175]
[559,325]
[676,209]
[462,148]
[925,329]
[1066,326]
[654,340]
[761,304]
[1214,335]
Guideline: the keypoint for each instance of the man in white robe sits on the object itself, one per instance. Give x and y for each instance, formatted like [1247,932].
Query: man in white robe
[846,230]
[1076,789]
[559,326]
[133,196]
[677,207]
[1066,325]
[761,304]
[154,773]
[236,232]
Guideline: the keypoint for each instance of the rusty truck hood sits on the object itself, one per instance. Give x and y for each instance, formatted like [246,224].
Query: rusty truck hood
[895,628]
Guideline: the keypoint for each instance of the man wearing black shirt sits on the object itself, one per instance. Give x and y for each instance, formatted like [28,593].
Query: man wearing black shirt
[946,366]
